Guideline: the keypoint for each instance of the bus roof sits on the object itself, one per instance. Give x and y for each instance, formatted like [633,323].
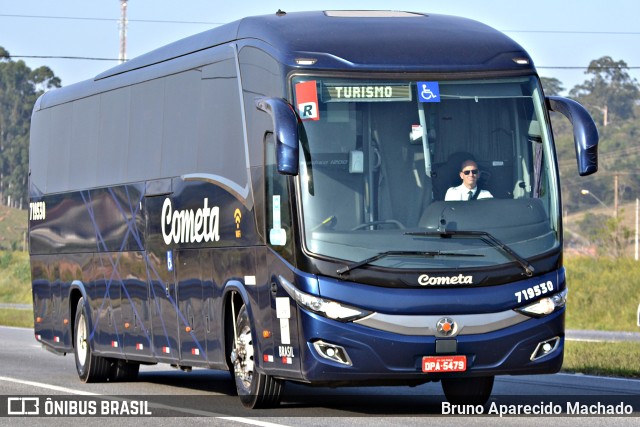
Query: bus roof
[396,41]
[374,41]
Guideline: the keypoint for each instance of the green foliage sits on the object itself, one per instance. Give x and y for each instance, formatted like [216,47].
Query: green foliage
[20,87]
[551,86]
[18,318]
[607,233]
[13,229]
[611,91]
[603,293]
[609,86]
[603,358]
[15,278]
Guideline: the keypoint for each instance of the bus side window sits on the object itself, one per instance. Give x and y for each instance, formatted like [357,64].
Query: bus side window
[278,211]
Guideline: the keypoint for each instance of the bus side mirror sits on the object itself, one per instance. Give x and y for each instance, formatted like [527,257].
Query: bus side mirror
[285,130]
[585,133]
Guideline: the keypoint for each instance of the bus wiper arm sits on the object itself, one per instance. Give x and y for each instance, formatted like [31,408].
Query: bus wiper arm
[376,257]
[485,237]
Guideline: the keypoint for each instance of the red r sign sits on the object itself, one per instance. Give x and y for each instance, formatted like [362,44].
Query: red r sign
[307,100]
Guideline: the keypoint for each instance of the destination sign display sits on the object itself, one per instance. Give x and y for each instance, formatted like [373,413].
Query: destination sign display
[372,92]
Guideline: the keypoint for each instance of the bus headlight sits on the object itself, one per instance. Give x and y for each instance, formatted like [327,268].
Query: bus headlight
[322,306]
[545,306]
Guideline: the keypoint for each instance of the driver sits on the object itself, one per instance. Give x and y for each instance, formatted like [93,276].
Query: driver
[468,190]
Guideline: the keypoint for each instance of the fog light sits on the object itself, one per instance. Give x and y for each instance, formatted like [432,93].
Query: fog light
[545,347]
[332,352]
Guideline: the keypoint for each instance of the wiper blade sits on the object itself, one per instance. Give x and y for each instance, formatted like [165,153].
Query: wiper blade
[485,237]
[381,255]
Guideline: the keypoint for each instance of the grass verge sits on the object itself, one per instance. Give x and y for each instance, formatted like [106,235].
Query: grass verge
[19,318]
[603,294]
[612,359]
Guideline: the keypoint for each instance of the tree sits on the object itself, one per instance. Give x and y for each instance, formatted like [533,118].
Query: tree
[551,86]
[607,233]
[20,87]
[611,93]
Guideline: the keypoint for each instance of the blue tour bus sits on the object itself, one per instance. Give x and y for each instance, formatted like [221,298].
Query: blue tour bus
[267,197]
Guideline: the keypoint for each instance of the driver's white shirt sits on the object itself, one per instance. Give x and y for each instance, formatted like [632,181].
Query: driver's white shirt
[462,193]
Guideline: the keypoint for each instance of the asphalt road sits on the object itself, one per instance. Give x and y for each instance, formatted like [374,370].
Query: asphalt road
[206,397]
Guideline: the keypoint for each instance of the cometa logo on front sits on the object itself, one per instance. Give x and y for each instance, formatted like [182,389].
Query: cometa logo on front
[426,280]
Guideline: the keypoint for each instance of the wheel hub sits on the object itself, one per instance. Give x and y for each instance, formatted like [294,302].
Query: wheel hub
[242,356]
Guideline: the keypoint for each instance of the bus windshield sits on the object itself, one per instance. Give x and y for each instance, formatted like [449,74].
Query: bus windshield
[381,159]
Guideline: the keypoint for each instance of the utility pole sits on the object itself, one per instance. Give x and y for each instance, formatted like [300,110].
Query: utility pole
[615,196]
[637,212]
[123,31]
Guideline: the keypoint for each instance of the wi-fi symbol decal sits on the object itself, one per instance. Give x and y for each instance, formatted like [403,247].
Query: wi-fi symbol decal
[237,216]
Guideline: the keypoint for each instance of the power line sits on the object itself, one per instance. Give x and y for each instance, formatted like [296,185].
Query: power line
[84,58]
[84,18]
[156,21]
[614,33]
[160,21]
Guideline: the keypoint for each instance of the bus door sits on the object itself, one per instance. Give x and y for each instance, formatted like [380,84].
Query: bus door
[161,274]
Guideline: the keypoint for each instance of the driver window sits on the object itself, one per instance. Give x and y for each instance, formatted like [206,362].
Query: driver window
[278,209]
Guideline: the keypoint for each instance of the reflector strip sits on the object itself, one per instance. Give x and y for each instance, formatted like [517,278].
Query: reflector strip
[166,350]
[114,344]
[139,346]
[56,339]
[268,358]
[287,360]
[195,351]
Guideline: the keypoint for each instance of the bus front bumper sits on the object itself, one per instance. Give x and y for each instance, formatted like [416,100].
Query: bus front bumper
[350,353]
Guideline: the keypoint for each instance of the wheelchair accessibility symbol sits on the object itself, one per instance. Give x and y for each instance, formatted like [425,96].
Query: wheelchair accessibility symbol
[428,92]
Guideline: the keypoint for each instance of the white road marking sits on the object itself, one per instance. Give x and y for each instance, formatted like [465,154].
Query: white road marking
[151,404]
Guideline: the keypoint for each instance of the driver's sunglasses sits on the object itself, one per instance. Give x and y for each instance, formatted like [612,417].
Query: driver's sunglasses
[473,171]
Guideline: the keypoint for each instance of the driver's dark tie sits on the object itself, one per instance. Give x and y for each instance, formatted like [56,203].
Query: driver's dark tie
[470,194]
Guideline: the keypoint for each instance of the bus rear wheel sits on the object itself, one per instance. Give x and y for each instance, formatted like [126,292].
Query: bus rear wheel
[255,390]
[90,368]
[122,370]
[469,391]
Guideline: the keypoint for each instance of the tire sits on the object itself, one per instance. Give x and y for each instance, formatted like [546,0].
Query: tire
[255,390]
[121,370]
[469,391]
[90,368]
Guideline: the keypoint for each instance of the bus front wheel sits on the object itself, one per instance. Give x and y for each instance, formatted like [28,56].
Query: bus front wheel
[255,390]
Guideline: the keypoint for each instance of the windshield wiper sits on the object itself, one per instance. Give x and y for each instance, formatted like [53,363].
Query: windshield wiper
[381,255]
[485,237]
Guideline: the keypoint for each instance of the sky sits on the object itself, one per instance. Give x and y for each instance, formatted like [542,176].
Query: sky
[556,33]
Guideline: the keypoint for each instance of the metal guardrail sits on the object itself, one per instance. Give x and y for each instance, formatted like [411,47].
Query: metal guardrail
[600,336]
[16,306]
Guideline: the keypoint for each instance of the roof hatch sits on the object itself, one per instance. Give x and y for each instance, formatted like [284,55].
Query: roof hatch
[371,14]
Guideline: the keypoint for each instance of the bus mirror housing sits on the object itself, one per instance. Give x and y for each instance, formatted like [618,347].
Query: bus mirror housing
[285,130]
[585,133]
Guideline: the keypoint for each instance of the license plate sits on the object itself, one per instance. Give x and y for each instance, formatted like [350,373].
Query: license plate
[444,363]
